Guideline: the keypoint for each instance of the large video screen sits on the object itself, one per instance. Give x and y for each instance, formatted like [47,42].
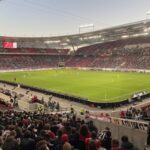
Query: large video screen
[9,45]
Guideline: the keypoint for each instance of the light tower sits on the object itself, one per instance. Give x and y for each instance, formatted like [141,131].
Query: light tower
[147,15]
[147,28]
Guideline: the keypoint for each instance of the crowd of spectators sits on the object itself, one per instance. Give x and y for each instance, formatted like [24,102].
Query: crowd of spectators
[48,104]
[9,62]
[60,131]
[122,54]
[123,58]
[71,132]
[11,100]
[136,114]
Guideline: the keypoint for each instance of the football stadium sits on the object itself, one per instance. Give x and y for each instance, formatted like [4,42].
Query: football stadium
[88,90]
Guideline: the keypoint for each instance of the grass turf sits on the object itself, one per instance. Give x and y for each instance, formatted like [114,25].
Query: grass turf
[94,85]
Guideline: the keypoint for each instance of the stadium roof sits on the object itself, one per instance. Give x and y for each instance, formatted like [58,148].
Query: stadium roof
[141,28]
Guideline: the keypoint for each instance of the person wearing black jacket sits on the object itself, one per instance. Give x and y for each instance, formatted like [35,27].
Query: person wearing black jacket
[126,145]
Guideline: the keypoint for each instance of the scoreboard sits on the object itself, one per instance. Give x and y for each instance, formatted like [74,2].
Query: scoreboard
[8,44]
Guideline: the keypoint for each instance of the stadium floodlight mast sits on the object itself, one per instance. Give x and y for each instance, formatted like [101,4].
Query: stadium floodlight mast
[147,15]
[147,29]
[86,26]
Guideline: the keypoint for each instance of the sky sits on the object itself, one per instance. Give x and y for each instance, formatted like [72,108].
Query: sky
[34,18]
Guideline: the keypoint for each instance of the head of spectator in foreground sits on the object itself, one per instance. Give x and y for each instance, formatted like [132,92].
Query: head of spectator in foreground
[13,133]
[126,145]
[42,145]
[27,134]
[94,143]
[67,146]
[148,135]
[65,138]
[10,144]
[84,130]
[115,143]
[1,143]
[124,139]
[93,135]
[59,133]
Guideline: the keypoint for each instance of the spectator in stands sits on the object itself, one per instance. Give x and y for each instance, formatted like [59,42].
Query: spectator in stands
[34,99]
[1,143]
[92,143]
[84,133]
[49,132]
[58,144]
[67,146]
[11,144]
[27,143]
[57,106]
[126,145]
[92,127]
[70,132]
[129,114]
[106,141]
[122,114]
[72,110]
[42,145]
[50,98]
[137,114]
[26,120]
[148,138]
[42,100]
[74,138]
[144,114]
[115,145]
[65,141]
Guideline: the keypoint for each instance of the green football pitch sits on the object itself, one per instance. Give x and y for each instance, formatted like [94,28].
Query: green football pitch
[94,85]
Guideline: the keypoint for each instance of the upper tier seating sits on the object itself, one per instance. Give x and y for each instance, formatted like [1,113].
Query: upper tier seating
[131,53]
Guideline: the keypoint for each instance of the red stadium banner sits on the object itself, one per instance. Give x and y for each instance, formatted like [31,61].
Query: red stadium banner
[9,45]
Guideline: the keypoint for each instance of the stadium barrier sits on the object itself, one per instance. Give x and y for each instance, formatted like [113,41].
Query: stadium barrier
[78,99]
[28,69]
[113,69]
[136,130]
[134,124]
[136,136]
[5,97]
[81,68]
[26,106]
[23,105]
[130,123]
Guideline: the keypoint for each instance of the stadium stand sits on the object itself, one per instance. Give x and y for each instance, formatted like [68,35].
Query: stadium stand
[129,54]
[142,113]
[26,130]
[12,62]
[101,120]
[123,54]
